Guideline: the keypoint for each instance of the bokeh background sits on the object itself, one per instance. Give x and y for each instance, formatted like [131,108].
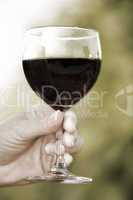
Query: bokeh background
[106,122]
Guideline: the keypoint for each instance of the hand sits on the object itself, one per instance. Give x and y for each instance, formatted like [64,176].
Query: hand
[26,138]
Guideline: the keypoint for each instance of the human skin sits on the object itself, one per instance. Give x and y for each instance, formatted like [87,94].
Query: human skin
[23,144]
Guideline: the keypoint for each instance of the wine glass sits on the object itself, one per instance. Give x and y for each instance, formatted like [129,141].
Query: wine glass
[61,64]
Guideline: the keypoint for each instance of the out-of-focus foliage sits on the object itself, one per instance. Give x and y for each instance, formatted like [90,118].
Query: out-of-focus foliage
[108,132]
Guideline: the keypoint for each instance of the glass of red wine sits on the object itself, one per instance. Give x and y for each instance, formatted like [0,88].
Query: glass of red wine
[61,64]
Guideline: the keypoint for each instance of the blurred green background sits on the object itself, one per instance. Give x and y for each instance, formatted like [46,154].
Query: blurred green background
[107,123]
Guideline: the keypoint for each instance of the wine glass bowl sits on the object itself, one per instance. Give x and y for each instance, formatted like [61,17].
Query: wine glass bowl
[61,64]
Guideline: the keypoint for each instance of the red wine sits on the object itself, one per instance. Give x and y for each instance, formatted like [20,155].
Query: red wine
[61,82]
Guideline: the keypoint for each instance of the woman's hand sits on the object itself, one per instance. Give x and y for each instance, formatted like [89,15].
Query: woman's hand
[27,138]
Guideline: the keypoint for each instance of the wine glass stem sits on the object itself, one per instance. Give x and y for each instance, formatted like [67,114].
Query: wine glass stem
[60,165]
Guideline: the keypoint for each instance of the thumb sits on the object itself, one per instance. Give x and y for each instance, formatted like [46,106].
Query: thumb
[33,128]
[53,122]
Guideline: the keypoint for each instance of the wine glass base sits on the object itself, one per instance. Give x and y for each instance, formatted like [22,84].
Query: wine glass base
[60,178]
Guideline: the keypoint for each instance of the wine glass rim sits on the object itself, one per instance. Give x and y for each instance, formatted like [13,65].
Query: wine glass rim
[36,31]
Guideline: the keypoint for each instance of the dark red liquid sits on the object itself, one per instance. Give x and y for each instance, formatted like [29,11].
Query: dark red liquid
[61,82]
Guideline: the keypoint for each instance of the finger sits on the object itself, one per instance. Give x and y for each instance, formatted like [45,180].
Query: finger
[47,159]
[68,139]
[70,114]
[59,134]
[50,151]
[32,128]
[47,162]
[53,123]
[55,148]
[50,148]
[48,143]
[76,147]
[70,121]
[72,142]
[40,111]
